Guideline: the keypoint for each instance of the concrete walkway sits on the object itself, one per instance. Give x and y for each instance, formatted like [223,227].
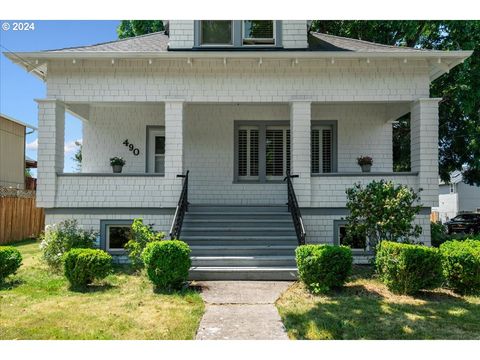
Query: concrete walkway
[241,310]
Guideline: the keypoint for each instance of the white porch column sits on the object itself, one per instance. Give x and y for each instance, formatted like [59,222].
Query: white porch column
[424,148]
[300,128]
[174,128]
[424,156]
[51,139]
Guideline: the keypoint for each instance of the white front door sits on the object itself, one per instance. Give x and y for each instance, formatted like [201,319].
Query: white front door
[156,151]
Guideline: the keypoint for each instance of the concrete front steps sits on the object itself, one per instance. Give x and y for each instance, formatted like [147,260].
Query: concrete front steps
[240,242]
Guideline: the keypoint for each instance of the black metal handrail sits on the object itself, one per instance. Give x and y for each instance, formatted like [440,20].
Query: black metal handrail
[181,209]
[295,210]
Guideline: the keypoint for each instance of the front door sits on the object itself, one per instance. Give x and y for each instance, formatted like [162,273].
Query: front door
[156,151]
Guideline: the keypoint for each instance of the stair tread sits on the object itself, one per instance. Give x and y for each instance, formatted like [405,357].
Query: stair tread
[243,268]
[240,237]
[233,228]
[244,257]
[242,247]
[187,220]
[238,213]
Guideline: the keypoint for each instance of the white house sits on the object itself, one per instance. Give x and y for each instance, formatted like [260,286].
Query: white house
[457,197]
[238,104]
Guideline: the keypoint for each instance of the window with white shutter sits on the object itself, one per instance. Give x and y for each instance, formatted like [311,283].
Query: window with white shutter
[277,152]
[248,143]
[322,149]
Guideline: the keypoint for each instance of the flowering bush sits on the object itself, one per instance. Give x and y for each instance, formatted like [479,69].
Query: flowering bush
[117,161]
[60,238]
[364,160]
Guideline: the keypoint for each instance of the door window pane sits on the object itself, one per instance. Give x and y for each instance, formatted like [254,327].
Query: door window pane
[159,145]
[216,32]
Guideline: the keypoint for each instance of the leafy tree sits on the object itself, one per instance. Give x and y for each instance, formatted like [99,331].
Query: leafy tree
[130,28]
[77,157]
[382,211]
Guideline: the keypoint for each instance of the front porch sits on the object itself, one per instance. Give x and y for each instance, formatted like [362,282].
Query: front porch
[204,138]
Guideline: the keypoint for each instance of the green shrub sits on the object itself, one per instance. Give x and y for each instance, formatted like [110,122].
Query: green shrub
[461,265]
[83,266]
[60,238]
[406,268]
[141,235]
[10,261]
[167,263]
[439,233]
[323,267]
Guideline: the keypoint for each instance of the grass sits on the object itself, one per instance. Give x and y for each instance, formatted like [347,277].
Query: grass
[37,304]
[365,309]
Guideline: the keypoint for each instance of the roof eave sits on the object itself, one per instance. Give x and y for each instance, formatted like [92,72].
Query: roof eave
[464,54]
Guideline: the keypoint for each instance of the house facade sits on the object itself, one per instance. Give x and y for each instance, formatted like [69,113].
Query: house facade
[457,197]
[238,104]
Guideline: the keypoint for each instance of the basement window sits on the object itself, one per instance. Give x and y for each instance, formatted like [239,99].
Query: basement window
[115,234]
[357,242]
[258,32]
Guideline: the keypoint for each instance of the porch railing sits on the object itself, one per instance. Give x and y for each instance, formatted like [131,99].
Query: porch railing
[295,210]
[182,208]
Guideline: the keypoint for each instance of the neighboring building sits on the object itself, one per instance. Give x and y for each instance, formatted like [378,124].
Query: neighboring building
[457,197]
[238,104]
[12,152]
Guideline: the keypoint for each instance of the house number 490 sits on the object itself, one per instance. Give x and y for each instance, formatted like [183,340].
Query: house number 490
[131,147]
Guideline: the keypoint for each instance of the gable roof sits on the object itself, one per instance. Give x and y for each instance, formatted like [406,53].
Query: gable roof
[325,42]
[153,42]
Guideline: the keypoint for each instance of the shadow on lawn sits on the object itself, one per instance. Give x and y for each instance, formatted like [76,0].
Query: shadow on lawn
[11,284]
[358,312]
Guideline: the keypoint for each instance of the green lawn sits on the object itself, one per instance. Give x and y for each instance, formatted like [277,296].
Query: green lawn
[365,309]
[37,304]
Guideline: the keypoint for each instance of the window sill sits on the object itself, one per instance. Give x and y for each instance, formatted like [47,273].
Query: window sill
[110,174]
[366,174]
[256,182]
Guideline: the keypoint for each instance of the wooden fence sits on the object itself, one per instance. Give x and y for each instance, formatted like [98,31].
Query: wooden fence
[19,216]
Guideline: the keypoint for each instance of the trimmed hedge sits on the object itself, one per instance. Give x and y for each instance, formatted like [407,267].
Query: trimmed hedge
[83,266]
[167,263]
[323,267]
[406,268]
[10,261]
[461,265]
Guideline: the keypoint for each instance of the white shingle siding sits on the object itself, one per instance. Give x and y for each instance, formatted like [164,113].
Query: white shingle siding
[294,34]
[181,34]
[109,126]
[424,148]
[238,81]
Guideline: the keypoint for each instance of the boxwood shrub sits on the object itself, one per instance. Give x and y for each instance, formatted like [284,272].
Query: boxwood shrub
[406,268]
[83,266]
[323,267]
[10,261]
[461,265]
[167,263]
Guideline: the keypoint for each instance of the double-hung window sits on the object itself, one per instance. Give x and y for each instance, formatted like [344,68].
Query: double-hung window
[216,32]
[258,32]
[262,151]
[322,149]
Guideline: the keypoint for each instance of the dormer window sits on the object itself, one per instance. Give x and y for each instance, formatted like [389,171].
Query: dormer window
[258,32]
[216,32]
